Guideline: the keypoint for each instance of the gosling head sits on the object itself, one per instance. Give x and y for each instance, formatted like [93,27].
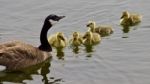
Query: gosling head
[125,14]
[88,35]
[91,24]
[75,34]
[60,35]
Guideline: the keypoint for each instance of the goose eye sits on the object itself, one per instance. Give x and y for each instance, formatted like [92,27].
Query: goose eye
[56,18]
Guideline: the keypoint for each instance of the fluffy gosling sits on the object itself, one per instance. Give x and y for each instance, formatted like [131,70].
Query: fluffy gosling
[76,39]
[91,38]
[103,30]
[130,19]
[58,40]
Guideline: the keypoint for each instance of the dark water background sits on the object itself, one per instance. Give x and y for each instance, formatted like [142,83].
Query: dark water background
[116,60]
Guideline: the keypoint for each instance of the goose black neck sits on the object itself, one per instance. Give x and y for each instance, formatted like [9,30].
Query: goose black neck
[45,46]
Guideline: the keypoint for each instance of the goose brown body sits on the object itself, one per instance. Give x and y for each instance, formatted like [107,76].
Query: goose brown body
[17,55]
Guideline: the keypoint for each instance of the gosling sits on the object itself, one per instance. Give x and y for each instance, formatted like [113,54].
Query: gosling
[57,40]
[76,39]
[91,38]
[130,19]
[103,30]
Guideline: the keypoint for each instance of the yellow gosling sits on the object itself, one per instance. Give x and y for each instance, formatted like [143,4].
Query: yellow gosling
[130,19]
[91,38]
[58,40]
[76,39]
[103,30]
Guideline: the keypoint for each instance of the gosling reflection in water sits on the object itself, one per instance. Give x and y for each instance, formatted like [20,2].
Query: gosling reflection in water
[60,53]
[125,30]
[89,48]
[26,74]
[76,49]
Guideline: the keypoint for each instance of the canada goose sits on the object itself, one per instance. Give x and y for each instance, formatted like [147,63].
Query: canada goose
[103,30]
[91,38]
[76,39]
[57,40]
[130,19]
[17,55]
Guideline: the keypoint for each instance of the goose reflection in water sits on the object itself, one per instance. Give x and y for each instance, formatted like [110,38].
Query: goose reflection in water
[26,74]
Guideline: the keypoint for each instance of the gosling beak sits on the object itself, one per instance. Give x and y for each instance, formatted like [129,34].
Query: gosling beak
[61,37]
[84,37]
[87,25]
[121,16]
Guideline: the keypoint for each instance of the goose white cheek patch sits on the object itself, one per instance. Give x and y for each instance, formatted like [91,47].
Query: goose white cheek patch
[2,68]
[53,22]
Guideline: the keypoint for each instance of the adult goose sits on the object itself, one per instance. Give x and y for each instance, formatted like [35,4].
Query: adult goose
[17,55]
[130,19]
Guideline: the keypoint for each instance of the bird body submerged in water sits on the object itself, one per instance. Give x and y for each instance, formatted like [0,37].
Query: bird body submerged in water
[17,55]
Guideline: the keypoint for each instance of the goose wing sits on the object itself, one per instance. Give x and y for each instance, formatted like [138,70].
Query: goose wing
[16,55]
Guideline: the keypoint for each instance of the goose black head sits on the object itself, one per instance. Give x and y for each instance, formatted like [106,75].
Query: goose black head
[54,17]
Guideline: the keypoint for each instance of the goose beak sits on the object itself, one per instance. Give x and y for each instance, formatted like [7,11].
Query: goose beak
[61,17]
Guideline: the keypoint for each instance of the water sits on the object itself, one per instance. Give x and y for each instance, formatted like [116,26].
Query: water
[122,58]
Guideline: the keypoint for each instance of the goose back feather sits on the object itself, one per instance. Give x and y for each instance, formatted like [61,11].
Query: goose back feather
[17,55]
